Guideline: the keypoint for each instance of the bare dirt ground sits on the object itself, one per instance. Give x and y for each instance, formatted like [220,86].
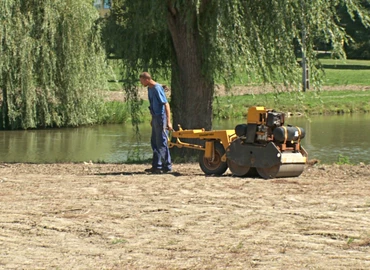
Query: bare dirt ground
[114,216]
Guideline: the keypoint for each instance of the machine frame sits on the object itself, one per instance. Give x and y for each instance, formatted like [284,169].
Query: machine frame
[248,154]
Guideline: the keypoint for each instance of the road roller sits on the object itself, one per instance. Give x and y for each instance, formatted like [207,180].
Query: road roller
[264,146]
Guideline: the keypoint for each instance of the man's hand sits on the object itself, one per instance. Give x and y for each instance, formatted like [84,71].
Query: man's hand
[169,126]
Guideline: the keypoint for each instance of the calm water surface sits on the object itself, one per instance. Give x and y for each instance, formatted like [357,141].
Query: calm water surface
[327,137]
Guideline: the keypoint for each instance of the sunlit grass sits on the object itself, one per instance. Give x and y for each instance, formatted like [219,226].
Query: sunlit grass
[310,103]
[346,72]
[336,72]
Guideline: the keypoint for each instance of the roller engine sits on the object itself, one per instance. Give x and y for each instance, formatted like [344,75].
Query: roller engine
[266,147]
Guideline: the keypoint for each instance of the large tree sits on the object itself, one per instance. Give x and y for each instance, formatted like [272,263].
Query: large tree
[200,41]
[51,63]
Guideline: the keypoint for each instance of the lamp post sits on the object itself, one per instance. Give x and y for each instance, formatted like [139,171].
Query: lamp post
[305,69]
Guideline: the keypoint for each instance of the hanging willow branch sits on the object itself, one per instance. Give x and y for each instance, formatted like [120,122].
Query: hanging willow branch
[51,63]
[199,42]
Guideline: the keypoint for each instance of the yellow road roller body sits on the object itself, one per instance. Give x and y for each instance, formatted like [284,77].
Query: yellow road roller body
[263,146]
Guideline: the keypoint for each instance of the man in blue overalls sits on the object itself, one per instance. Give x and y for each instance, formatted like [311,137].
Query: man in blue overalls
[161,122]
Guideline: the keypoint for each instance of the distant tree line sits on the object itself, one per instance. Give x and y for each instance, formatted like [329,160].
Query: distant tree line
[357,44]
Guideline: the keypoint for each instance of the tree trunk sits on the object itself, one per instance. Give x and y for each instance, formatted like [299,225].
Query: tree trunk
[4,124]
[192,92]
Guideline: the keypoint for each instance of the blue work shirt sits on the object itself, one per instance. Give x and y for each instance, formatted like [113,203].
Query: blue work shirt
[157,99]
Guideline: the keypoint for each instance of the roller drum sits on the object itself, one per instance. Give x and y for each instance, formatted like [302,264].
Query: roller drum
[292,165]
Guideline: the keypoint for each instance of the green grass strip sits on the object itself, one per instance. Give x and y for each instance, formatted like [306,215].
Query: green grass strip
[309,103]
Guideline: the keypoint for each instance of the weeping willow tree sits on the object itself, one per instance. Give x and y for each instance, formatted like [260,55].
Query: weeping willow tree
[200,41]
[51,63]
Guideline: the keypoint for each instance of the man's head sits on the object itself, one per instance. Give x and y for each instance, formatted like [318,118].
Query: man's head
[145,78]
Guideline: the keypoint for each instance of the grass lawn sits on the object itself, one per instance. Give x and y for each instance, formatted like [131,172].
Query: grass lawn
[346,72]
[310,103]
[336,72]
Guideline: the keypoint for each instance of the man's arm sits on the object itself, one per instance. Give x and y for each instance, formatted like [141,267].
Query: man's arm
[168,115]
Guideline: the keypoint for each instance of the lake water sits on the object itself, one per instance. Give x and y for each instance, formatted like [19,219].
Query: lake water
[327,138]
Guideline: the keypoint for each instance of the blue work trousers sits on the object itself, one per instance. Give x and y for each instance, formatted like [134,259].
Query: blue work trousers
[161,153]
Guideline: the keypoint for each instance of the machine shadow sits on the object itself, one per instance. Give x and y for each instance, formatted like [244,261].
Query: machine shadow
[136,173]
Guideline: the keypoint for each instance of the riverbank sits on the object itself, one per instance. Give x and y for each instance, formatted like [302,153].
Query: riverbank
[113,216]
[234,104]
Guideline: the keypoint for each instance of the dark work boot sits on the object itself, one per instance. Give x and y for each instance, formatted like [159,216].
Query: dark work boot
[153,170]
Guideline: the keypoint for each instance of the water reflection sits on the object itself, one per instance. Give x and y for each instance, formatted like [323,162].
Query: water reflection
[109,143]
[330,137]
[327,137]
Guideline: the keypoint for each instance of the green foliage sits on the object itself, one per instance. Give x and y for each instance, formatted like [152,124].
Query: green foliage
[52,64]
[357,26]
[342,160]
[116,241]
[257,37]
[114,112]
[135,156]
[140,48]
[198,42]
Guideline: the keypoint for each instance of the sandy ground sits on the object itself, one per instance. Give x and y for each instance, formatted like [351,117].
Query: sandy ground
[114,216]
